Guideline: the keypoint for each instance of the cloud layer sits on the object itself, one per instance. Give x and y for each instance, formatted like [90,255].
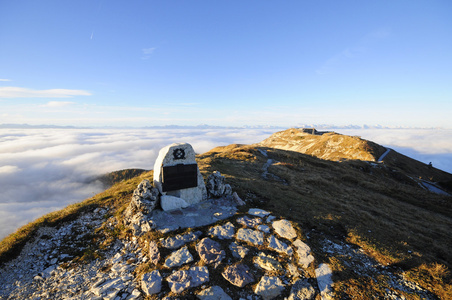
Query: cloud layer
[42,170]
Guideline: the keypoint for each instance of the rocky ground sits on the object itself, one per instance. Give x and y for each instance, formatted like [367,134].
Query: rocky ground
[224,252]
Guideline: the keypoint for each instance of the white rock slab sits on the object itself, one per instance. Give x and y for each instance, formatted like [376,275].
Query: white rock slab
[284,229]
[179,240]
[258,212]
[213,293]
[269,287]
[181,280]
[226,231]
[325,281]
[178,258]
[277,245]
[171,203]
[251,236]
[263,228]
[151,283]
[305,257]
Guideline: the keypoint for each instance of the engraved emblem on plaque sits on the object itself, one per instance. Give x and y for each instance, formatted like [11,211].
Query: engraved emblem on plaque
[179,153]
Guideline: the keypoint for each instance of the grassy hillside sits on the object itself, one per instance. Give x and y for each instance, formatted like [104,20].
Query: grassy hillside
[392,220]
[366,205]
[324,145]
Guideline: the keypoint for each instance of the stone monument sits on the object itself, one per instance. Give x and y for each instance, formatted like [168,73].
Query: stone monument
[177,177]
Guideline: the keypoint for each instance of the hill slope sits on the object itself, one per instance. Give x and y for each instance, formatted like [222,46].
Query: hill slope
[324,145]
[368,222]
[337,147]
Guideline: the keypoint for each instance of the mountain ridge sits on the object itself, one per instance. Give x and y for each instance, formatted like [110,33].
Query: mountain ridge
[338,207]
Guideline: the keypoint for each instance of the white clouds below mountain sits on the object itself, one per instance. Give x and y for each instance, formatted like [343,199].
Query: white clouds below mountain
[42,170]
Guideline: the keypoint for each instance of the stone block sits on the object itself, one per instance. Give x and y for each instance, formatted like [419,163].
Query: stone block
[182,280]
[178,258]
[284,229]
[305,257]
[239,275]
[251,236]
[210,251]
[226,231]
[277,245]
[171,156]
[151,283]
[172,203]
[269,287]
[213,293]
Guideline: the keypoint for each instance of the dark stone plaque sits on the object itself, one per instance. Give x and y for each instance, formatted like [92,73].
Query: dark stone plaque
[179,177]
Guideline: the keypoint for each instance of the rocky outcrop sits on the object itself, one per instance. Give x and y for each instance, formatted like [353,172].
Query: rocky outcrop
[145,199]
[216,186]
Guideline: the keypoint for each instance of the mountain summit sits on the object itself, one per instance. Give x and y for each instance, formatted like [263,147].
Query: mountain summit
[308,215]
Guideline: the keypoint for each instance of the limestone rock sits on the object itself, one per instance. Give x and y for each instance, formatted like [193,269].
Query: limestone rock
[179,154]
[143,202]
[325,281]
[171,203]
[239,275]
[140,223]
[263,228]
[144,199]
[181,280]
[154,253]
[178,258]
[277,245]
[179,240]
[226,231]
[284,229]
[268,262]
[213,293]
[269,287]
[302,290]
[258,212]
[151,283]
[210,251]
[216,186]
[249,222]
[305,257]
[238,251]
[251,236]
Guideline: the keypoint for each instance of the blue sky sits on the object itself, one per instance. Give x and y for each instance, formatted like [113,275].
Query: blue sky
[227,63]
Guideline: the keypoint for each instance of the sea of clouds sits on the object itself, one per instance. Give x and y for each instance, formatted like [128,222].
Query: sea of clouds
[42,170]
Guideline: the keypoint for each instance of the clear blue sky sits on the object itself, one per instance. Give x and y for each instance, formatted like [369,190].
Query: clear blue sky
[230,63]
